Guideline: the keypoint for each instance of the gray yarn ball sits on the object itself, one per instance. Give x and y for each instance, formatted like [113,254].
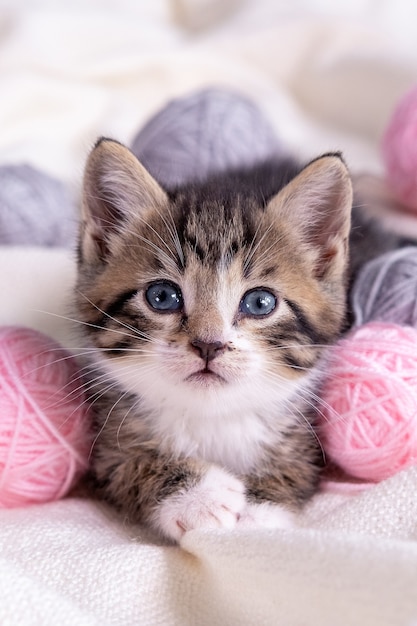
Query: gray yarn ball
[386,289]
[35,209]
[206,132]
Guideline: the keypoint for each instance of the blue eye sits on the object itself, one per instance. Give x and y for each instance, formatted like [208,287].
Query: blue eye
[164,297]
[258,302]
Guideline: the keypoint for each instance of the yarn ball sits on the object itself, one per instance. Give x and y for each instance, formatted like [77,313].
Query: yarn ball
[202,133]
[399,150]
[369,401]
[44,434]
[386,289]
[35,208]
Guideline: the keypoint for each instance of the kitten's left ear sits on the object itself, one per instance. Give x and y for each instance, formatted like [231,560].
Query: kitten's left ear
[317,204]
[117,189]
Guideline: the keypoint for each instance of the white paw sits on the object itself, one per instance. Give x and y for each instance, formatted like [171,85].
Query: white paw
[266,515]
[215,502]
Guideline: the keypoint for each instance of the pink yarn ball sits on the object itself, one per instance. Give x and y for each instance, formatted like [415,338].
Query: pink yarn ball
[369,426]
[44,439]
[399,150]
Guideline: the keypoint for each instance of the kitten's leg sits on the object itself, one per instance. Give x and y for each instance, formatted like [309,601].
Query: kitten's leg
[173,496]
[266,515]
[270,503]
[276,494]
[216,500]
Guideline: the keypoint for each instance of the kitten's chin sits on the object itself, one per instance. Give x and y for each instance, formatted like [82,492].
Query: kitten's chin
[205,379]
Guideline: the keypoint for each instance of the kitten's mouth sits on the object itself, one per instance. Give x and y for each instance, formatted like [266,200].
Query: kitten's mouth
[205,377]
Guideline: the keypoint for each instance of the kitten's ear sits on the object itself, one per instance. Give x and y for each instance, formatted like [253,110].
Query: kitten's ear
[317,204]
[116,189]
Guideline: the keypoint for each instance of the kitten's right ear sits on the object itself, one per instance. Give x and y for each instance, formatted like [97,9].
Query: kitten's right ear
[116,190]
[317,204]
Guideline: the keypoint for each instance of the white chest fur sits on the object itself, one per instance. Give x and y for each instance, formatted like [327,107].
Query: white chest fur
[230,427]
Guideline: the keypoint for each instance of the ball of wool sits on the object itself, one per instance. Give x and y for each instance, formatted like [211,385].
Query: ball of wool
[399,150]
[386,289]
[369,401]
[35,208]
[44,434]
[206,132]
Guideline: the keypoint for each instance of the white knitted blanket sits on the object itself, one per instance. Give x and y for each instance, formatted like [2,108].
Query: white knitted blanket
[352,561]
[327,75]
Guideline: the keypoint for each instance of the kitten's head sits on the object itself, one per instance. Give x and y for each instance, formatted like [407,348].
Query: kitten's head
[200,296]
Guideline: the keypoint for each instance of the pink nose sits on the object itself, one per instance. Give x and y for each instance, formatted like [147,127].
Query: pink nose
[208,351]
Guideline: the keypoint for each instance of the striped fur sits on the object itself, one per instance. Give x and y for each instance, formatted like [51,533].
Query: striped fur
[168,417]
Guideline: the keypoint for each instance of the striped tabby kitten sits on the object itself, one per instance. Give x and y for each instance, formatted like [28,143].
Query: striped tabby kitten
[206,310]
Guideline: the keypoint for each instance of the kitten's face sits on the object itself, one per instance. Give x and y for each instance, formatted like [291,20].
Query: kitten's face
[191,300]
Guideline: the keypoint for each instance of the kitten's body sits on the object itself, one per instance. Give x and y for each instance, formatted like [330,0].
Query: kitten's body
[207,408]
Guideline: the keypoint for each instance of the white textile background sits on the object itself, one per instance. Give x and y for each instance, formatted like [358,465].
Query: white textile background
[327,75]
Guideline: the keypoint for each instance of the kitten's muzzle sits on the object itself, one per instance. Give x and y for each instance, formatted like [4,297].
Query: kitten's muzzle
[208,351]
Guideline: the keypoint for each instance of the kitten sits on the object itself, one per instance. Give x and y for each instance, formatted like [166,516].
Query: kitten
[206,311]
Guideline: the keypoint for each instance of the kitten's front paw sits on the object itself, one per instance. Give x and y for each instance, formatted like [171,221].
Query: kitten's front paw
[266,515]
[215,502]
